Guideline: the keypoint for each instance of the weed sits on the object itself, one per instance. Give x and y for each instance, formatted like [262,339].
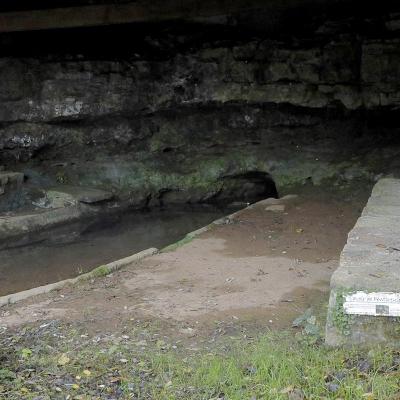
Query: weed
[65,364]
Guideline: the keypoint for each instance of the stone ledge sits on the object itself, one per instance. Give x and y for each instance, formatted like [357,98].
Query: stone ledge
[21,227]
[369,266]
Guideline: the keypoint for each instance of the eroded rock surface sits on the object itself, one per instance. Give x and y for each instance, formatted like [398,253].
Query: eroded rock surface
[196,116]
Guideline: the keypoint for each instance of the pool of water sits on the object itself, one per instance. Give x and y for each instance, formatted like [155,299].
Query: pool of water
[76,251]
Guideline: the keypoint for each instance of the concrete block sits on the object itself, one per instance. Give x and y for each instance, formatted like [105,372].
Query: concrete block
[364,304]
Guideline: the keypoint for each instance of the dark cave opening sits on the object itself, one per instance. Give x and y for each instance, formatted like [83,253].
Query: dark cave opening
[249,187]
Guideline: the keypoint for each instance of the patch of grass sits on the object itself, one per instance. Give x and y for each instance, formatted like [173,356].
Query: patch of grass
[174,246]
[142,365]
[98,272]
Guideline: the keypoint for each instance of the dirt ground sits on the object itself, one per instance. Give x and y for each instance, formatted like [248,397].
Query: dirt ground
[264,268]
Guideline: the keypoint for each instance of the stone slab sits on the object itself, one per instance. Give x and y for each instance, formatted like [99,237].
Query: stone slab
[362,256]
[383,237]
[381,210]
[24,225]
[82,194]
[8,178]
[365,288]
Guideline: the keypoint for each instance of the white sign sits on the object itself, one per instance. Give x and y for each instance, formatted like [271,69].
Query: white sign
[376,304]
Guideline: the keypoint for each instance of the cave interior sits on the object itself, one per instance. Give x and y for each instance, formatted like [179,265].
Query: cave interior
[197,102]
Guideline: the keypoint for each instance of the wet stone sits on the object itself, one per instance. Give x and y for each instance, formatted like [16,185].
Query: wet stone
[83,194]
[7,177]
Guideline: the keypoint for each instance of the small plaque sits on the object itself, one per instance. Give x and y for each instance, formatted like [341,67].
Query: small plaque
[376,304]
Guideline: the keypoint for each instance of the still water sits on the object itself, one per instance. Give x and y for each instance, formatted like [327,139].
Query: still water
[76,252]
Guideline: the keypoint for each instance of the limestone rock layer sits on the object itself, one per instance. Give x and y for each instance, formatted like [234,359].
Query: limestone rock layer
[201,112]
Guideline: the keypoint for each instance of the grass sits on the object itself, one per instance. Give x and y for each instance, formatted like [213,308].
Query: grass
[187,239]
[57,362]
[99,272]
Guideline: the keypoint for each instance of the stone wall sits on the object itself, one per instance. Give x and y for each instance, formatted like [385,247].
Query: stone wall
[211,118]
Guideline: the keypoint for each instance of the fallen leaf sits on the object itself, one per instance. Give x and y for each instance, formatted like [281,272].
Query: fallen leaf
[63,360]
[287,389]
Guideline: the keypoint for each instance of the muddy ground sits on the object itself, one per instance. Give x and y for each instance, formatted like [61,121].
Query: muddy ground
[267,266]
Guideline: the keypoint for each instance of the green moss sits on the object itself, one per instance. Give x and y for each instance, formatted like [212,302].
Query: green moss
[187,239]
[98,272]
[340,319]
[202,175]
[370,326]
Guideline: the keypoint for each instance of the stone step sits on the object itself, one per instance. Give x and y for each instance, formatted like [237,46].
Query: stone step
[75,194]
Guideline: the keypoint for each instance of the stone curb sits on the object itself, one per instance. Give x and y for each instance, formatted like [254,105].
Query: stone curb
[191,235]
[97,272]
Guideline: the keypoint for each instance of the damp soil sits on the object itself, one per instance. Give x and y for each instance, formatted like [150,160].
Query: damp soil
[259,271]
